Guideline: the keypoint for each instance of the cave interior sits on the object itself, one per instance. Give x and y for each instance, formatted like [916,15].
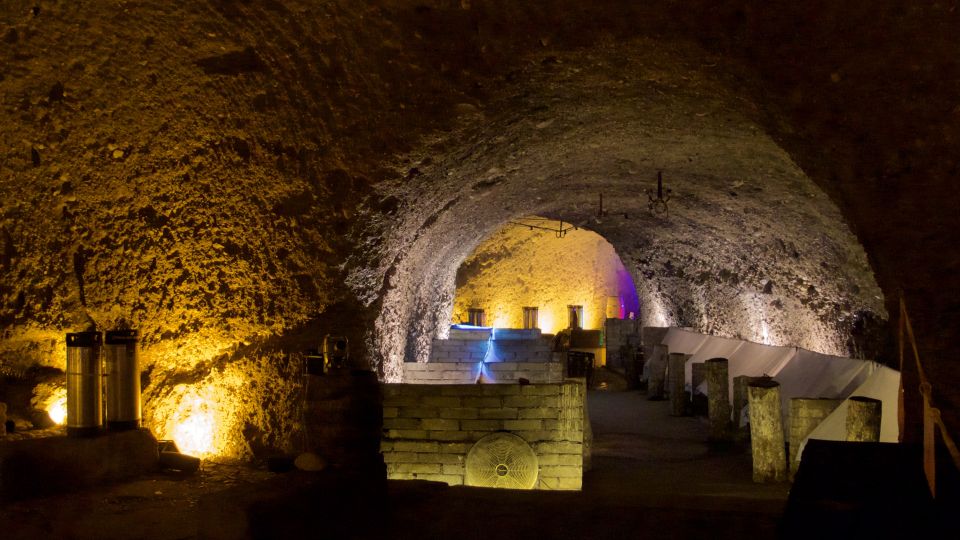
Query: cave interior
[249,185]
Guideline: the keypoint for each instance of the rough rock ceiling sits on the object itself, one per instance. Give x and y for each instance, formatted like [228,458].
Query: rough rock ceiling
[205,170]
[749,241]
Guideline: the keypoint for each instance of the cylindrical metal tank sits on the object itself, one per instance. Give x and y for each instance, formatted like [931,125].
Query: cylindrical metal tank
[122,380]
[84,415]
[336,352]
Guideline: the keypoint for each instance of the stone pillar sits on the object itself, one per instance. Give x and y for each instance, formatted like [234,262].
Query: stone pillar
[718,398]
[805,415]
[739,404]
[678,395]
[658,367]
[863,419]
[698,374]
[766,431]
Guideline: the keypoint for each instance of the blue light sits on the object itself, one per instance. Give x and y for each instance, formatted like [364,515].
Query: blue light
[470,327]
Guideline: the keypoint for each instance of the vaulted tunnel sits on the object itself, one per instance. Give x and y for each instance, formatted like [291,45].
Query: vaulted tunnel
[748,246]
[237,179]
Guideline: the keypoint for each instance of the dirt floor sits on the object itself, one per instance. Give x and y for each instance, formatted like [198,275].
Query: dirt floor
[653,476]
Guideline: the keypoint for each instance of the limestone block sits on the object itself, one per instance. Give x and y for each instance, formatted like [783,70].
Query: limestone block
[718,398]
[441,401]
[515,425]
[416,446]
[455,448]
[440,424]
[483,402]
[482,425]
[462,390]
[446,436]
[521,401]
[501,389]
[468,413]
[399,457]
[499,413]
[805,415]
[678,398]
[54,464]
[766,432]
[402,423]
[418,412]
[658,368]
[863,419]
[406,434]
[539,413]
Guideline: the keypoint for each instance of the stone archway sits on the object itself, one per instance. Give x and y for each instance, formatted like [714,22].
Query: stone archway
[750,246]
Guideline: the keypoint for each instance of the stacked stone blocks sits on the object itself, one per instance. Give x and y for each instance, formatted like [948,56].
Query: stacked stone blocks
[429,429]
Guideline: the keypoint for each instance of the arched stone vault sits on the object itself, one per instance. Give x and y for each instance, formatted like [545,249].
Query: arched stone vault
[749,247]
[214,170]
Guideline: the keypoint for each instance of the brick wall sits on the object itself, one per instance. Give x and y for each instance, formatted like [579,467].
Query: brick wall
[429,429]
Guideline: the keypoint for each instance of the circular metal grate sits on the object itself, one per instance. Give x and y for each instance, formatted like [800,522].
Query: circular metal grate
[502,460]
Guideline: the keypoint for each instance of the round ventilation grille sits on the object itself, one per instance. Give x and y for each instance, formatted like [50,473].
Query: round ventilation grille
[502,460]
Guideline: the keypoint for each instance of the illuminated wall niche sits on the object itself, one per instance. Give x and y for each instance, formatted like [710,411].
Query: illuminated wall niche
[517,268]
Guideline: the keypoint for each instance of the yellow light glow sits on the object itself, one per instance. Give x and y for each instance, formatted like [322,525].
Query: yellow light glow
[194,433]
[517,267]
[502,318]
[545,320]
[204,418]
[57,407]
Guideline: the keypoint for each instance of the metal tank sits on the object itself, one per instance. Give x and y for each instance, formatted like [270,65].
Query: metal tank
[336,352]
[122,380]
[84,414]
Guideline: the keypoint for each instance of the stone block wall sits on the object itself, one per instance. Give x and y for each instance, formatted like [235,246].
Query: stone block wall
[429,429]
[805,415]
[470,335]
[617,333]
[513,348]
[458,350]
[494,372]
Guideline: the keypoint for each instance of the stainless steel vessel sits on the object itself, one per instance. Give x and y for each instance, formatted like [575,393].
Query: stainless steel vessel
[122,380]
[84,413]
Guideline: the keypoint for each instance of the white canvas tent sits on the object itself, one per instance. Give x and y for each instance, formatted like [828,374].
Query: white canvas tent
[883,384]
[801,373]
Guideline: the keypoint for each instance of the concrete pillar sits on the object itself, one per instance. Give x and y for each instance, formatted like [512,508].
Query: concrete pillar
[805,415]
[766,431]
[863,419]
[678,394]
[718,398]
[658,368]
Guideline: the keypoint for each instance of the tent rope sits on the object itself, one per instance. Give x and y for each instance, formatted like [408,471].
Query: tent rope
[932,419]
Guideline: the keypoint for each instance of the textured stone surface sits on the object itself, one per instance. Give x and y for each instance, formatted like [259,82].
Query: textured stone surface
[678,396]
[805,415]
[750,248]
[863,419]
[718,398]
[517,267]
[429,429]
[47,465]
[766,432]
[189,171]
